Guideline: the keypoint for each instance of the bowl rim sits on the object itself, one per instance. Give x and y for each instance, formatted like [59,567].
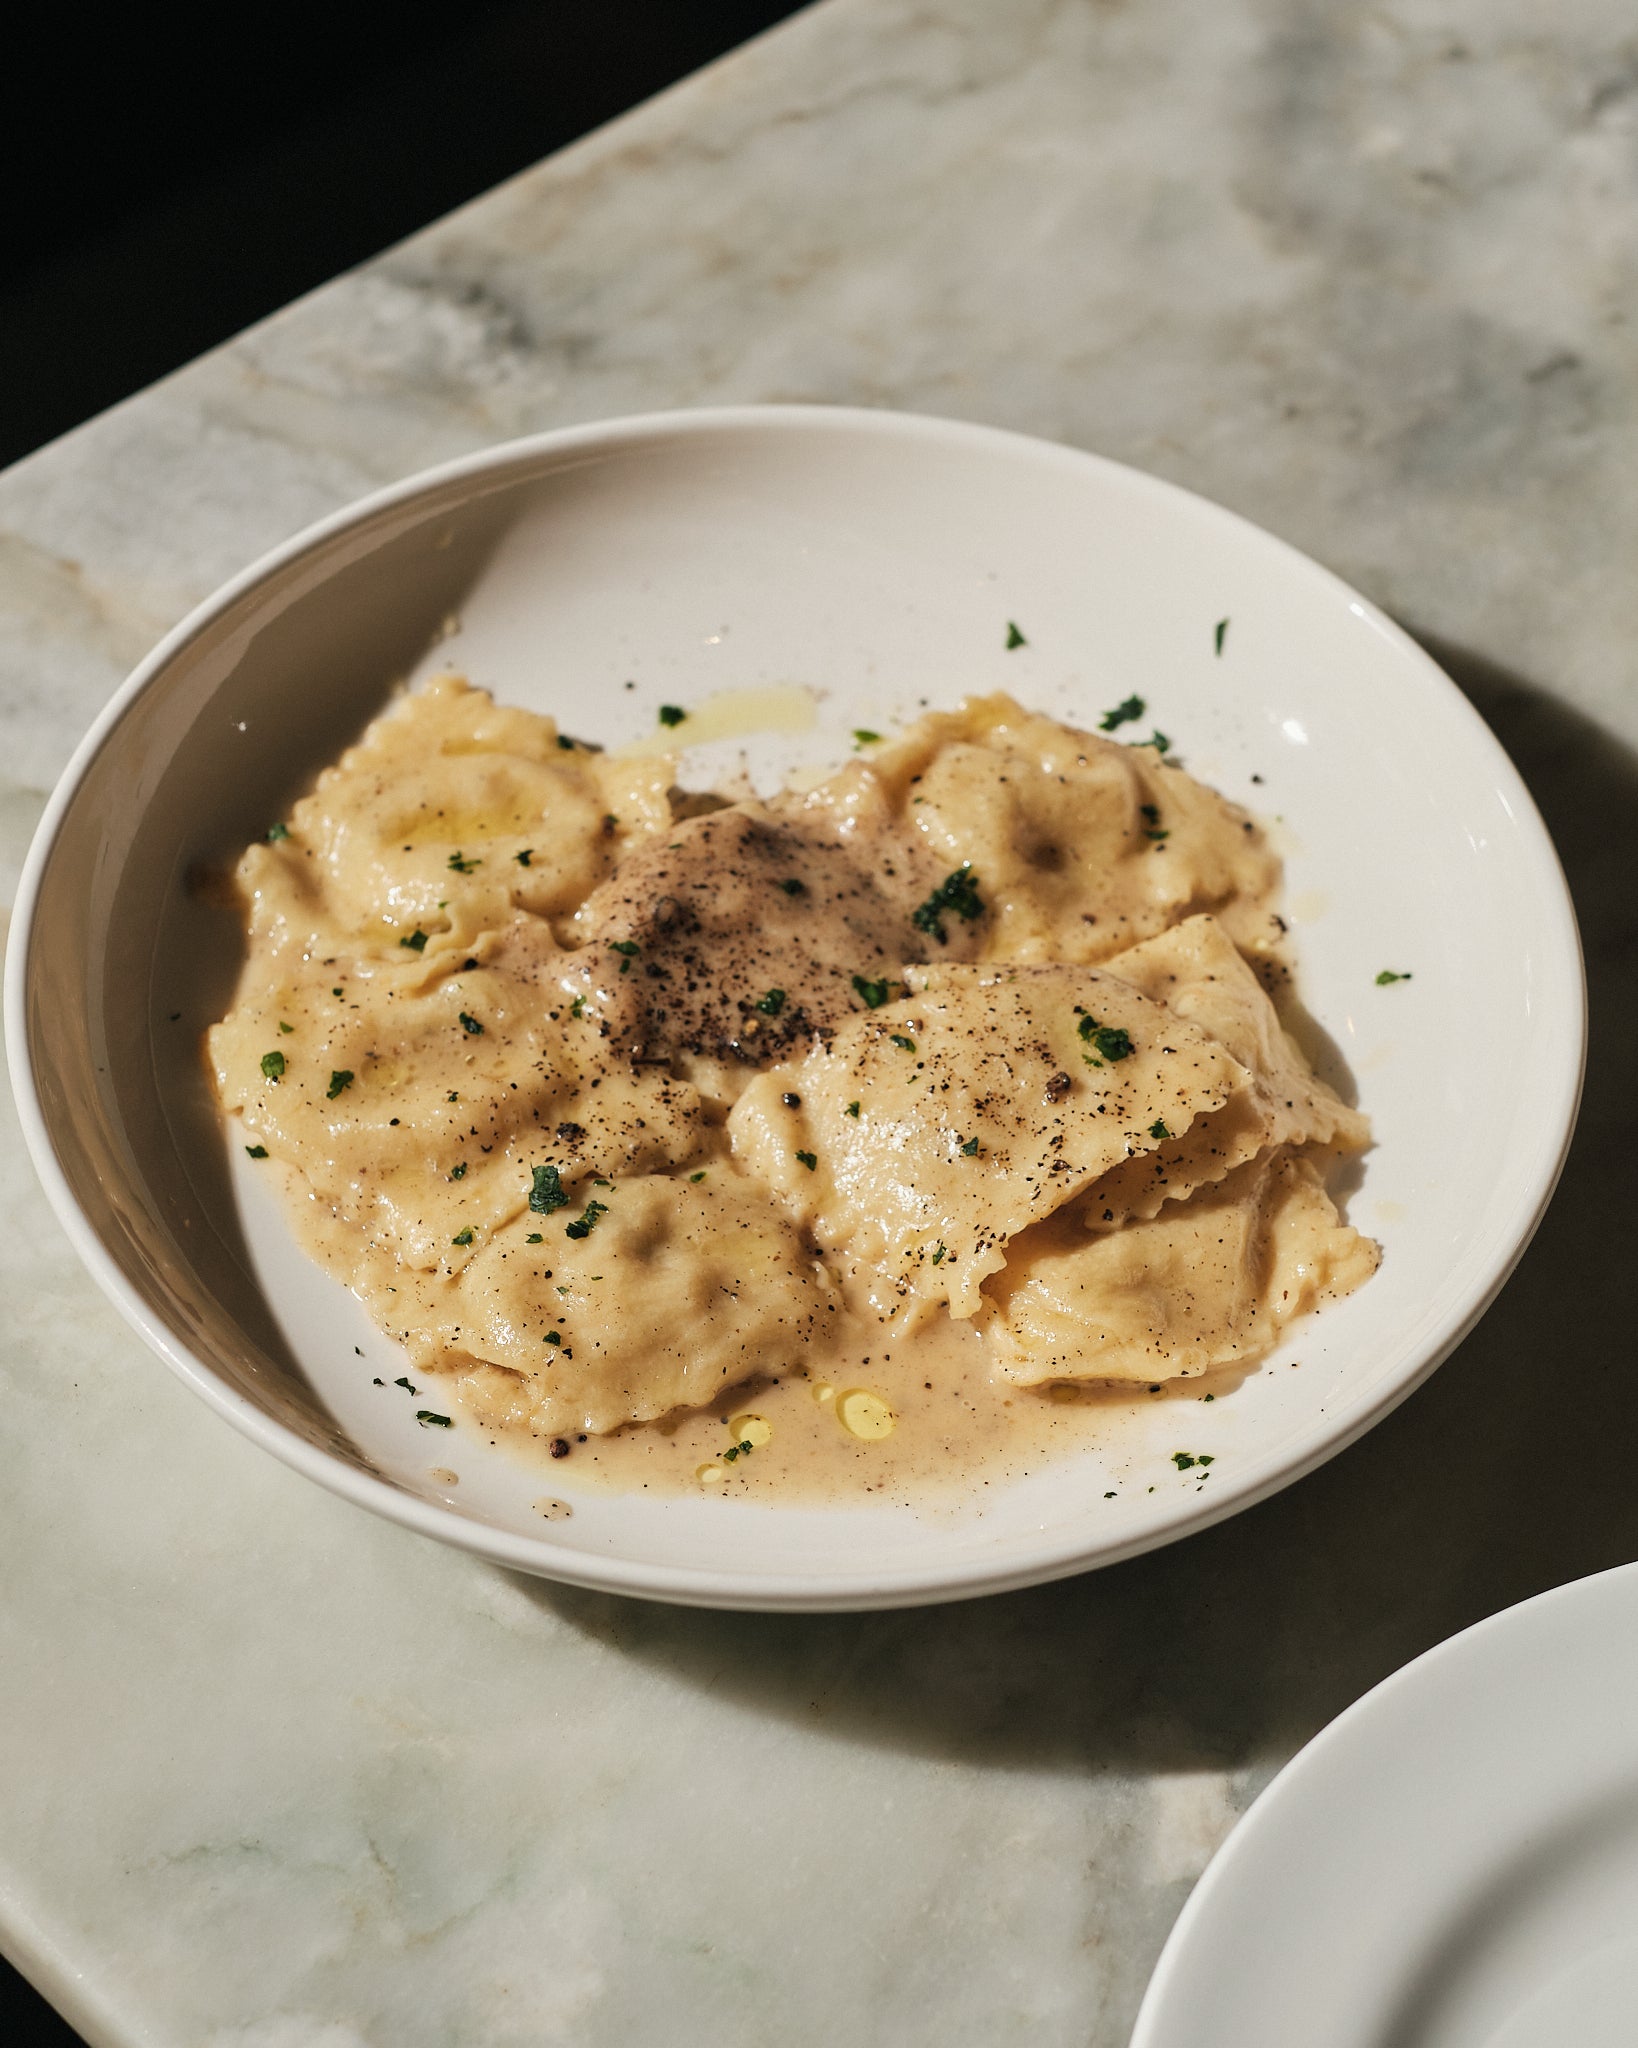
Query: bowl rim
[921,1584]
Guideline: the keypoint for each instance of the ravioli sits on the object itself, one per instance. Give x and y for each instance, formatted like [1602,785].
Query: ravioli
[924,1134]
[607,1099]
[1196,970]
[1212,1281]
[673,1292]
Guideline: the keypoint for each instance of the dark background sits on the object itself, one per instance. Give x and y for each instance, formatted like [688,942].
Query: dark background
[161,188]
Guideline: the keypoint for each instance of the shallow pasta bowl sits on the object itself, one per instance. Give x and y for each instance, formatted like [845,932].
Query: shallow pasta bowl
[835,569]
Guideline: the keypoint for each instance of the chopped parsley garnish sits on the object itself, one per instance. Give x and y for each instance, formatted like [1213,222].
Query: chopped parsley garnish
[471,1026]
[458,1172]
[278,832]
[1152,827]
[864,737]
[578,1007]
[698,1176]
[772,1003]
[970,1149]
[904,1044]
[792,886]
[286,1028]
[672,714]
[628,949]
[1183,1460]
[272,1065]
[567,744]
[554,1336]
[1014,637]
[1158,1129]
[852,1109]
[341,1078]
[453,1096]
[939,1254]
[415,940]
[1220,634]
[462,1236]
[546,1191]
[956,895]
[257,1151]
[534,1237]
[1110,1040]
[525,858]
[428,1420]
[1124,713]
[462,865]
[582,1225]
[1388,976]
[809,1159]
[401,1381]
[1157,739]
[871,993]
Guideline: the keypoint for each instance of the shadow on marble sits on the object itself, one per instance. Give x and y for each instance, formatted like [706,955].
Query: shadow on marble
[1508,1473]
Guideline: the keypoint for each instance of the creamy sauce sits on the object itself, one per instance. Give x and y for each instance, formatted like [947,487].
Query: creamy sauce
[867,1142]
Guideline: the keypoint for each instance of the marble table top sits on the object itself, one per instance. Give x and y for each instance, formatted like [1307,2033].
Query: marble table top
[277,1775]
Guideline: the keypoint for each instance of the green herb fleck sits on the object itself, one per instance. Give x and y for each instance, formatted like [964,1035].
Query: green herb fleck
[628,949]
[546,1191]
[565,743]
[1157,739]
[1183,1460]
[1110,1040]
[278,832]
[582,1225]
[957,894]
[272,1065]
[1158,1129]
[341,1078]
[904,1044]
[772,1003]
[462,1236]
[453,1096]
[471,1026]
[415,940]
[428,1420]
[698,1176]
[793,887]
[458,1172]
[809,1159]
[939,1254]
[525,858]
[1124,713]
[286,1028]
[864,737]
[1014,637]
[672,714]
[534,1237]
[970,1149]
[257,1151]
[871,993]
[554,1336]
[578,1007]
[852,1109]
[463,866]
[1387,977]
[1220,634]
[1206,1457]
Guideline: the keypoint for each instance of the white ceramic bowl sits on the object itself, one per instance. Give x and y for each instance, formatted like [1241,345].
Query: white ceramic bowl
[876,560]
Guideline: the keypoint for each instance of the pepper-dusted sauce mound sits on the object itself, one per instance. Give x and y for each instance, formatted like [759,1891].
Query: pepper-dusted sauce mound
[899,1104]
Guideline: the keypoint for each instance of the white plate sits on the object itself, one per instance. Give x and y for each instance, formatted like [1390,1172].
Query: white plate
[874,560]
[1451,1864]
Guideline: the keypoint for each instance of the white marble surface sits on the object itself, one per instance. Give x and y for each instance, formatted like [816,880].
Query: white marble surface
[278,1776]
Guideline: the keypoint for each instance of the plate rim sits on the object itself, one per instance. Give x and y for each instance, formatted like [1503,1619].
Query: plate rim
[1314,1756]
[914,1585]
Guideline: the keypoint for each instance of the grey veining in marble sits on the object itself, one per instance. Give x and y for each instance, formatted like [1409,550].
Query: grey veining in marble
[277,1776]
